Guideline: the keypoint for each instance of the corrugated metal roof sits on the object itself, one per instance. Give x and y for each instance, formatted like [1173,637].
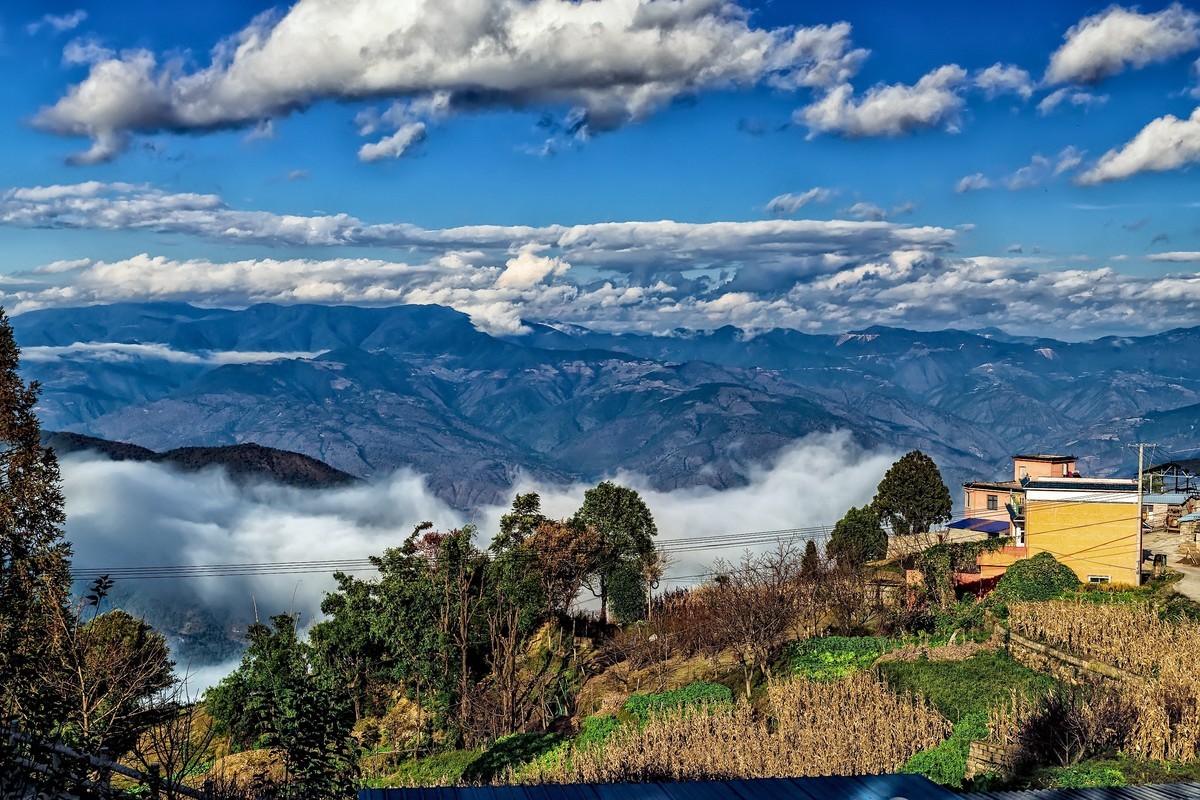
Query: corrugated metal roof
[860,787]
[1169,499]
[1195,515]
[1164,791]
[980,524]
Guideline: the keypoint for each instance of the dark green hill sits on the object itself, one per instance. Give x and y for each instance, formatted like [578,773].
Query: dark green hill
[244,462]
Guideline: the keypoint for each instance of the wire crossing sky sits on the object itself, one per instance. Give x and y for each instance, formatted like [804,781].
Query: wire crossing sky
[621,164]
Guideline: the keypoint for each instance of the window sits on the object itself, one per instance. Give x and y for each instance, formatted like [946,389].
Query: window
[968,499]
[993,502]
[1024,471]
[1099,578]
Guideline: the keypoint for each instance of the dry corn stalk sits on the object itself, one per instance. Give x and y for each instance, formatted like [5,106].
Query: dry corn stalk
[852,727]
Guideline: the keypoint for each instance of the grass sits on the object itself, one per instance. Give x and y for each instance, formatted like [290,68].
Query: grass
[440,769]
[958,688]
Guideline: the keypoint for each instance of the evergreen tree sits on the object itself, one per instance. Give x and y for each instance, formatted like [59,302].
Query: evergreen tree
[35,578]
[857,538]
[810,564]
[912,497]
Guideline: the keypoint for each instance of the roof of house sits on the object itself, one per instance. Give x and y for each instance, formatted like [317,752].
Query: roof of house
[1162,791]
[1005,485]
[1169,499]
[1043,457]
[1193,517]
[1084,484]
[863,787]
[1191,465]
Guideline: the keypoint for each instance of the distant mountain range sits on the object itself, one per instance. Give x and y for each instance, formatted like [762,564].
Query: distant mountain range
[367,390]
[245,463]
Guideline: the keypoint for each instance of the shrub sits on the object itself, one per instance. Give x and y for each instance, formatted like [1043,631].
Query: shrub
[1041,577]
[831,658]
[947,762]
[596,730]
[642,706]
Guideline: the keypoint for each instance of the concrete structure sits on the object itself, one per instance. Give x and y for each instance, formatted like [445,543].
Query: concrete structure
[1163,510]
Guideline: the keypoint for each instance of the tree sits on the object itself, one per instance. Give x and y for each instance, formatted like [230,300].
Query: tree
[810,564]
[276,699]
[912,497]
[35,579]
[625,533]
[112,668]
[857,538]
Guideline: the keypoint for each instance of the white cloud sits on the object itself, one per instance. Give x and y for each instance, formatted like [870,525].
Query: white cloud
[1175,256]
[972,183]
[395,145]
[528,268]
[789,203]
[1001,79]
[58,23]
[865,210]
[1040,169]
[935,100]
[1106,43]
[57,267]
[621,246]
[1073,97]
[614,60]
[1167,143]
[126,513]
[121,351]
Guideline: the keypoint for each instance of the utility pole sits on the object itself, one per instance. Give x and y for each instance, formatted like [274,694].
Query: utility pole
[1141,465]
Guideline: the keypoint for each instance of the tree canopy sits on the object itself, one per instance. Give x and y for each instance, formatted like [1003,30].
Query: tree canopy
[912,497]
[625,529]
[857,538]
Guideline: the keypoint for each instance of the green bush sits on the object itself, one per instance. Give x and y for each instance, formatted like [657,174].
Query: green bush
[595,731]
[641,706]
[831,658]
[959,688]
[440,769]
[946,763]
[510,752]
[1041,577]
[1088,776]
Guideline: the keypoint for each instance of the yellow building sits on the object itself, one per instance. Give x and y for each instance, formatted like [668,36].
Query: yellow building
[1089,524]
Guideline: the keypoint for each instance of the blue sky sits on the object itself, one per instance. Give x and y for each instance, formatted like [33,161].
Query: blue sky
[614,163]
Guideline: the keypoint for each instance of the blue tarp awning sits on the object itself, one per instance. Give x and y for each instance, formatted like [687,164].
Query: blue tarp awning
[983,525]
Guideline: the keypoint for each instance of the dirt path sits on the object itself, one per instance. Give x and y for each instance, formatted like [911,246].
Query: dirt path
[1168,543]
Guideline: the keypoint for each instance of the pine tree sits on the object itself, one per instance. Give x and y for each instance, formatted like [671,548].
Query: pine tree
[35,577]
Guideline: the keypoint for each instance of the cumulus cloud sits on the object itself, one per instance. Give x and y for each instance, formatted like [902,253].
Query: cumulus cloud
[1072,97]
[889,110]
[394,145]
[972,183]
[58,23]
[528,268]
[1107,43]
[1167,143]
[138,514]
[613,61]
[789,203]
[1001,79]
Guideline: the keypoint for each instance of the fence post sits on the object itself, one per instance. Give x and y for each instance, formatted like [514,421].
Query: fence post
[154,782]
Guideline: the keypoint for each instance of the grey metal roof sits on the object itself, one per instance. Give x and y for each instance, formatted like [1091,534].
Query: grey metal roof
[864,787]
[1164,791]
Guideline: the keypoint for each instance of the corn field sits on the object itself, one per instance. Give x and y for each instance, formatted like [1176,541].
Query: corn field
[852,727]
[1130,638]
[1164,657]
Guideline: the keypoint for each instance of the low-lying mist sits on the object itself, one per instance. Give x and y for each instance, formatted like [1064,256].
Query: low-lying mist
[124,514]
